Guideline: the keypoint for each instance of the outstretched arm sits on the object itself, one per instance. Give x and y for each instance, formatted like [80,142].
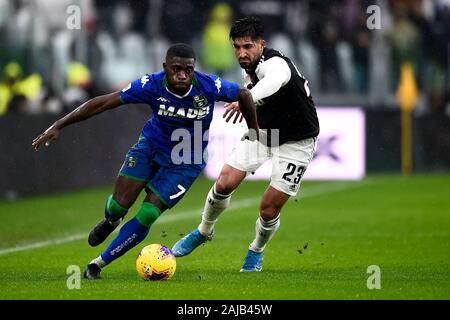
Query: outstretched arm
[247,108]
[85,111]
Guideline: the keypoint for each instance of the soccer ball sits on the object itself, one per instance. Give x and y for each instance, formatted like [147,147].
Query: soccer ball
[155,262]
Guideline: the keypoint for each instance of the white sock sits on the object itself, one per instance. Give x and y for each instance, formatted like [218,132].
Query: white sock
[215,204]
[99,262]
[264,232]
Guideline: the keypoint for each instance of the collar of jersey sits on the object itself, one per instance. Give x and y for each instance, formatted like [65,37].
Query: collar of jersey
[177,95]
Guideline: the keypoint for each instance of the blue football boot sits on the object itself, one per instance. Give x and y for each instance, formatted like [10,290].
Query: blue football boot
[253,261]
[191,241]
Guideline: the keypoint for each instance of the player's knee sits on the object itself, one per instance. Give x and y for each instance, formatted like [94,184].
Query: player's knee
[268,214]
[147,214]
[225,184]
[221,187]
[114,209]
[229,179]
[268,210]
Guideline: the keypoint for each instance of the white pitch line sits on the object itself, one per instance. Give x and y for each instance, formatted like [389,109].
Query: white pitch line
[42,244]
[309,192]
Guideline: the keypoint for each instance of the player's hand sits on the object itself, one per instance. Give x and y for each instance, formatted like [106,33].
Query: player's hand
[232,109]
[45,138]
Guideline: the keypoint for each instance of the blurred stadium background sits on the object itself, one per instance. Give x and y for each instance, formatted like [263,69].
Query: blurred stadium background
[49,65]
[384,106]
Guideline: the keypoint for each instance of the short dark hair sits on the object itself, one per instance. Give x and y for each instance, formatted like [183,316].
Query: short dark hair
[247,27]
[181,50]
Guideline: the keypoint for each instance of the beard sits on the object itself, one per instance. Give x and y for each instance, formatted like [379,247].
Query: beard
[246,64]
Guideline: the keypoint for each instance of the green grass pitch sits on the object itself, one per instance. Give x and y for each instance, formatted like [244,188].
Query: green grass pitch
[328,238]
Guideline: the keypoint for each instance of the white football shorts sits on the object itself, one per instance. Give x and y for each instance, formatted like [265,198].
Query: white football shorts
[289,161]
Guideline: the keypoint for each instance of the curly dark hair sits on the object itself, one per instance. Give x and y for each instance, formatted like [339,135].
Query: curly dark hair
[248,26]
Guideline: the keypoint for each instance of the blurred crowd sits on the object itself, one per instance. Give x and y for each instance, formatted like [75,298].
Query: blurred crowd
[48,63]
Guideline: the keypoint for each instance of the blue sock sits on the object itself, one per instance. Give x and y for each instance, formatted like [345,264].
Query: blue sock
[131,234]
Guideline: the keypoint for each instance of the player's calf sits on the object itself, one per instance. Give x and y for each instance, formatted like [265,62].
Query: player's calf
[215,204]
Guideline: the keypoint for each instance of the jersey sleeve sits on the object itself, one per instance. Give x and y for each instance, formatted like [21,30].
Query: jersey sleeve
[224,90]
[273,74]
[137,91]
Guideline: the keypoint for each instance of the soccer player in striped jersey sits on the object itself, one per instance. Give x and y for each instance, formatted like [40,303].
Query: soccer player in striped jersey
[289,129]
